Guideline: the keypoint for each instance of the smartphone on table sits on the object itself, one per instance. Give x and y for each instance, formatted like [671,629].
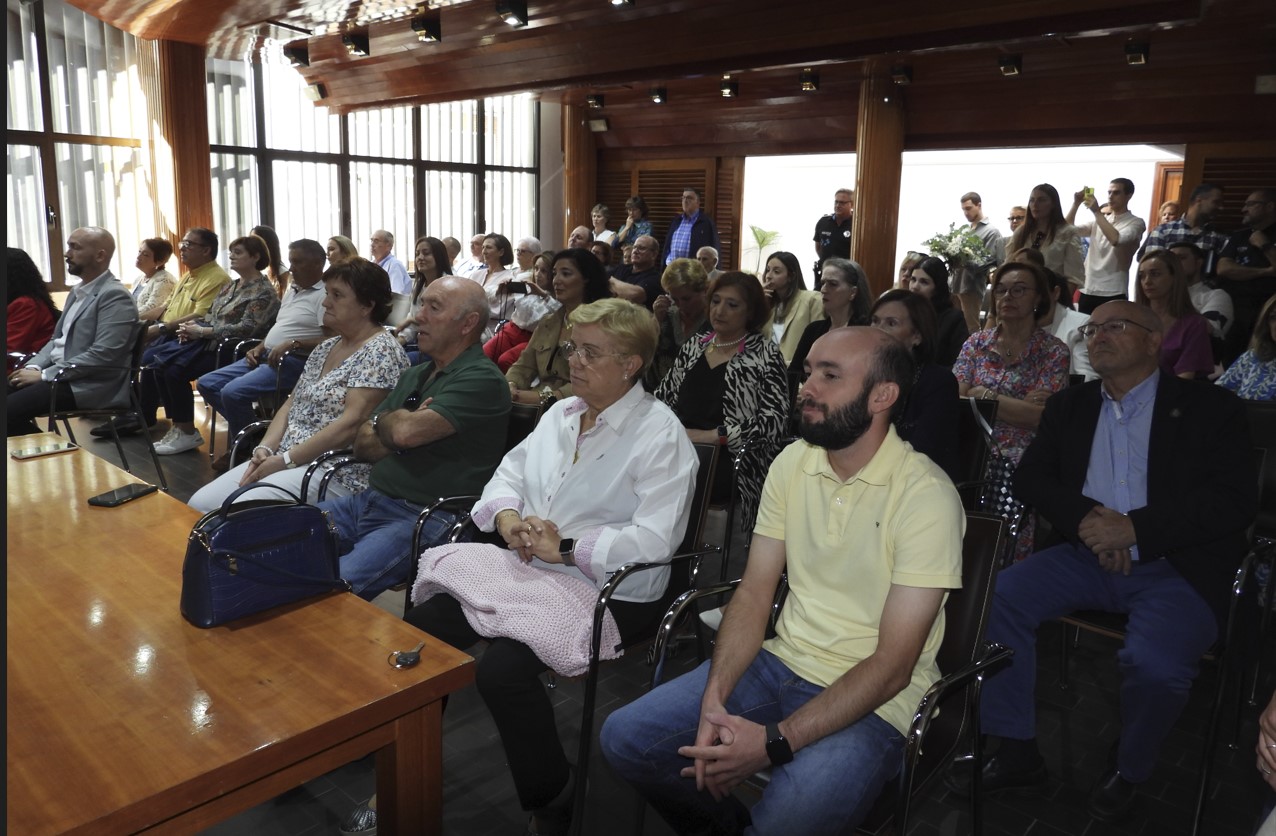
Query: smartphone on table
[43,450]
[119,496]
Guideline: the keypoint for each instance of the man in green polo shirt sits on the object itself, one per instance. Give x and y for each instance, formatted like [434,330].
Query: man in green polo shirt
[441,432]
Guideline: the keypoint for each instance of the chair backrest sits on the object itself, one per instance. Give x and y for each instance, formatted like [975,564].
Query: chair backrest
[972,437]
[523,418]
[1262,433]
[400,307]
[966,612]
[707,462]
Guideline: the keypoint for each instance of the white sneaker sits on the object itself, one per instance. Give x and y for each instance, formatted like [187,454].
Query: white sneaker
[179,442]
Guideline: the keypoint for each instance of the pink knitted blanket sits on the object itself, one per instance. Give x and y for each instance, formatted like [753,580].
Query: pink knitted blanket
[550,612]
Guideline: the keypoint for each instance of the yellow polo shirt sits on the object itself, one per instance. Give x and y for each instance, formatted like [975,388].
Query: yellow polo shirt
[898,521]
[196,291]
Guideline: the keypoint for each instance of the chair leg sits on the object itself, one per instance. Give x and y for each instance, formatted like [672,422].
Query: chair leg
[977,761]
[1211,736]
[1064,650]
[1265,602]
[155,460]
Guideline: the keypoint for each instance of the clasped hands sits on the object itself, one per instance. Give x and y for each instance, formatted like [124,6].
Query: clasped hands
[727,751]
[24,377]
[530,536]
[1109,534]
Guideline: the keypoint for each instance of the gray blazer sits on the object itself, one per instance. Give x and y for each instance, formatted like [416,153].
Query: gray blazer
[102,334]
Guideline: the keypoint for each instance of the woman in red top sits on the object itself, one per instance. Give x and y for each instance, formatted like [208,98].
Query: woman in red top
[31,313]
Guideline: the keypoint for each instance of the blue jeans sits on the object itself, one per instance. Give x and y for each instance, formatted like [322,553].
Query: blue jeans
[829,786]
[376,539]
[1170,627]
[232,390]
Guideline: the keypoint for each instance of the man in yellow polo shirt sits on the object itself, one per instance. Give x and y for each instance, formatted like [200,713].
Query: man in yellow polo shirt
[191,299]
[870,533]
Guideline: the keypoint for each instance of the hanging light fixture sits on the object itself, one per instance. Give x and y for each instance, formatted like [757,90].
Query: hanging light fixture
[513,12]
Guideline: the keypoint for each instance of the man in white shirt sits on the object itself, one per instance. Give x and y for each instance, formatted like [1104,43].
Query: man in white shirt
[474,261]
[1114,238]
[383,255]
[232,390]
[1211,303]
[96,329]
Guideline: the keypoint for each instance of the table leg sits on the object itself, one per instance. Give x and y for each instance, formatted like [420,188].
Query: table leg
[410,775]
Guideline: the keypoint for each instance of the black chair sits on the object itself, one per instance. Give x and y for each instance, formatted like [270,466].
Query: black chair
[974,445]
[232,349]
[133,407]
[684,567]
[246,440]
[935,737]
[1262,433]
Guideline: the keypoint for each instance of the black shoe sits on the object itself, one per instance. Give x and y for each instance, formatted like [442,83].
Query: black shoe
[124,426]
[1112,800]
[997,775]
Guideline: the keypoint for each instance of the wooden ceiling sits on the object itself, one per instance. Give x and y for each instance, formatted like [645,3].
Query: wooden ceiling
[1206,57]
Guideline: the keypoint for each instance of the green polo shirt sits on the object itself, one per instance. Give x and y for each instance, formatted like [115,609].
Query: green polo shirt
[471,393]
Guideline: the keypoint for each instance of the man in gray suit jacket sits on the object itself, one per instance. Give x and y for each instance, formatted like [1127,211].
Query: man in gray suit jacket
[96,329]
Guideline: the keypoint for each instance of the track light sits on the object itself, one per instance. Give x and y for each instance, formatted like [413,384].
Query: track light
[1010,65]
[658,95]
[356,44]
[1136,53]
[809,80]
[594,101]
[622,2]
[729,88]
[298,56]
[428,29]
[598,125]
[902,74]
[513,12]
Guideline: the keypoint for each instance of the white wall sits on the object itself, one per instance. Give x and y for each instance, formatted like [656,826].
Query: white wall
[789,194]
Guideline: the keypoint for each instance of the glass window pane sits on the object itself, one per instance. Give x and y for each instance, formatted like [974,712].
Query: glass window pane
[235,196]
[306,201]
[230,103]
[294,122]
[510,203]
[383,196]
[24,73]
[94,83]
[449,132]
[26,227]
[386,132]
[510,130]
[106,186]
[449,206]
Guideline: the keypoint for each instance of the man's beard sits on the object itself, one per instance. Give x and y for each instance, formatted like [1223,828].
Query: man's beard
[840,429]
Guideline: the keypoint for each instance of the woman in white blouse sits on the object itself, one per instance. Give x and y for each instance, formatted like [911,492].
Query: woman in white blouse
[604,479]
[151,292]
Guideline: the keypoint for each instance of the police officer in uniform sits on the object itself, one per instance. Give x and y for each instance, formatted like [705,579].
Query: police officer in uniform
[833,232]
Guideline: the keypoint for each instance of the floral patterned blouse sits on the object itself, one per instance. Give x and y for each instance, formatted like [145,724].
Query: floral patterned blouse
[244,307]
[319,399]
[1251,378]
[1044,365]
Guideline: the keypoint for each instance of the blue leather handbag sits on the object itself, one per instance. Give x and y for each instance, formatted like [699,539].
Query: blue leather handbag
[241,561]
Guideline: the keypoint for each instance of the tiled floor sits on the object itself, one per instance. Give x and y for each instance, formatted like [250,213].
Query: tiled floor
[1077,728]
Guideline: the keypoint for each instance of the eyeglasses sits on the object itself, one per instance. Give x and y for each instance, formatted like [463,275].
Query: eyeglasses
[587,356]
[1112,326]
[1014,290]
[187,243]
[412,401]
[1015,218]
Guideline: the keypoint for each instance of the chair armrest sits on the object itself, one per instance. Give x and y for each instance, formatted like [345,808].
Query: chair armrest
[459,506]
[992,656]
[320,461]
[257,428]
[242,347]
[20,358]
[664,633]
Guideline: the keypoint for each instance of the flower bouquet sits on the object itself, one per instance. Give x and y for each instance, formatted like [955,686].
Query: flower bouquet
[960,247]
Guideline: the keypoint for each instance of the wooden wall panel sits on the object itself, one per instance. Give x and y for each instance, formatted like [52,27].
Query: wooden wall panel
[730,204]
[1239,167]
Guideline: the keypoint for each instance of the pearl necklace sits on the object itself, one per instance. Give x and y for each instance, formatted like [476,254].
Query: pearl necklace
[713,343]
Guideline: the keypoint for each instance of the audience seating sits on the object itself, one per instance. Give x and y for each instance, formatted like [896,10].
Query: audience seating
[684,566]
[964,658]
[1262,432]
[133,407]
[266,407]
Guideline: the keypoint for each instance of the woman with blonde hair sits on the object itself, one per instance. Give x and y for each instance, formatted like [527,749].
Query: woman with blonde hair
[340,250]
[681,312]
[1185,343]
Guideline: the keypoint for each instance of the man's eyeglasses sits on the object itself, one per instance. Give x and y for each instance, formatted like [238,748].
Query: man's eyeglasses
[1015,218]
[412,401]
[1111,327]
[587,356]
[1013,290]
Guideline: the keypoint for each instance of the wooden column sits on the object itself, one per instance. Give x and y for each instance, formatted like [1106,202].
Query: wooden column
[580,170]
[183,171]
[879,148]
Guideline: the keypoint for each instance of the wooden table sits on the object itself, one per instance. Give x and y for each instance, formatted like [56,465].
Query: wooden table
[124,718]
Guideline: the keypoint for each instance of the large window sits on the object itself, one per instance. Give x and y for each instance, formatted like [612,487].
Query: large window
[447,169]
[76,150]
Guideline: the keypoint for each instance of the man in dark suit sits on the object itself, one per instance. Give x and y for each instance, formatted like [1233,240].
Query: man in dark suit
[1150,481]
[94,333]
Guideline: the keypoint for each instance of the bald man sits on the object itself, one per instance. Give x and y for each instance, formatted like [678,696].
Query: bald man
[383,254]
[96,328]
[440,432]
[580,238]
[828,698]
[1149,480]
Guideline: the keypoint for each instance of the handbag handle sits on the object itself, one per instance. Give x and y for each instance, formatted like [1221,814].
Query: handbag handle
[231,554]
[224,511]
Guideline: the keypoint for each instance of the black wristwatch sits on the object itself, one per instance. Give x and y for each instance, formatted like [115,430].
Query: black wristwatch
[777,747]
[567,551]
